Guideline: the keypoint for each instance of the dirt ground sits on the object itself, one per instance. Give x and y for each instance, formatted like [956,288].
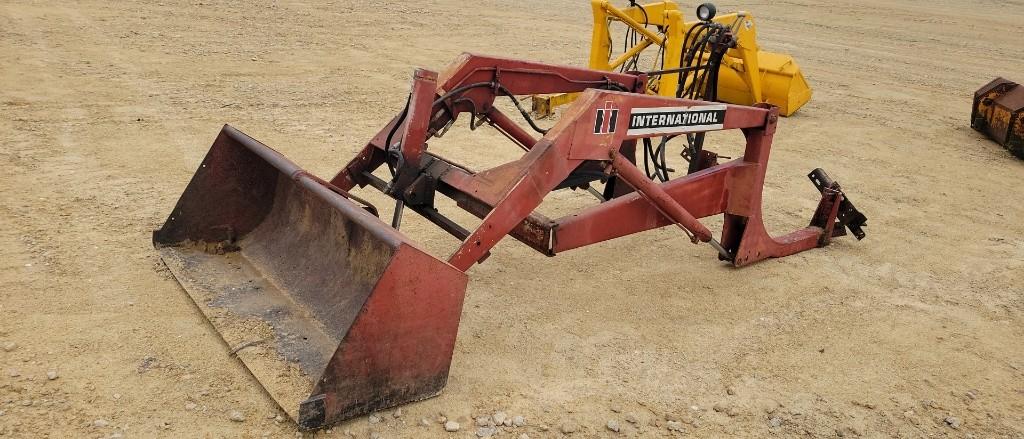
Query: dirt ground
[107,108]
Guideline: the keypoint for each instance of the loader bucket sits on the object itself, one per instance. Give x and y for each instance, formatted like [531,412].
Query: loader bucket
[998,112]
[782,83]
[335,313]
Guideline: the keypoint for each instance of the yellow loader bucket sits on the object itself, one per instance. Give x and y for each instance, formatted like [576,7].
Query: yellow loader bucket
[782,83]
[334,312]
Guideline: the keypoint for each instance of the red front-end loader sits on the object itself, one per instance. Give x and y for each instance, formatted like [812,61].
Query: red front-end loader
[338,313]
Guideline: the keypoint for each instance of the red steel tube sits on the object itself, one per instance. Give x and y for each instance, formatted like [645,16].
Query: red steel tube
[659,198]
[424,87]
[511,128]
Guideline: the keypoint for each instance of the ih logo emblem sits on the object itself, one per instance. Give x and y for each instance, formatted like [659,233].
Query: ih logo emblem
[604,123]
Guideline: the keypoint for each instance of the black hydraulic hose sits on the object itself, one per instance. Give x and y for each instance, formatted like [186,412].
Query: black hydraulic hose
[714,64]
[699,27]
[701,40]
[698,85]
[631,39]
[461,89]
[391,134]
[686,61]
[526,115]
[654,158]
[648,159]
[663,161]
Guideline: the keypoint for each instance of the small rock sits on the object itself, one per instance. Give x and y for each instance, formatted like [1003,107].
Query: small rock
[654,422]
[486,431]
[971,394]
[865,404]
[630,418]
[100,423]
[14,373]
[914,420]
[236,416]
[518,421]
[117,396]
[425,422]
[671,417]
[397,413]
[52,375]
[484,421]
[499,418]
[278,419]
[441,419]
[674,426]
[374,418]
[730,390]
[374,435]
[191,406]
[720,408]
[451,426]
[616,408]
[147,362]
[568,428]
[953,422]
[775,422]
[732,411]
[613,425]
[10,346]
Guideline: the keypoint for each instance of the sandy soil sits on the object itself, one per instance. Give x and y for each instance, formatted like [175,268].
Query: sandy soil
[106,109]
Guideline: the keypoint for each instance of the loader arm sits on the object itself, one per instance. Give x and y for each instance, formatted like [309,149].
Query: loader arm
[596,130]
[748,75]
[743,57]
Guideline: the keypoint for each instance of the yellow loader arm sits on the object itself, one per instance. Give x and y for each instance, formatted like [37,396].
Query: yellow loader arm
[747,75]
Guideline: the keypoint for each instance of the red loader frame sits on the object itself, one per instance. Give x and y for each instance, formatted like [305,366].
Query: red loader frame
[594,139]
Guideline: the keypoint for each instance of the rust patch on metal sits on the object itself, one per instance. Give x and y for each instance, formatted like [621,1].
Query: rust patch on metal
[998,112]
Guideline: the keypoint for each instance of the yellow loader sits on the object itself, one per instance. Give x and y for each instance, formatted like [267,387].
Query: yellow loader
[745,74]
